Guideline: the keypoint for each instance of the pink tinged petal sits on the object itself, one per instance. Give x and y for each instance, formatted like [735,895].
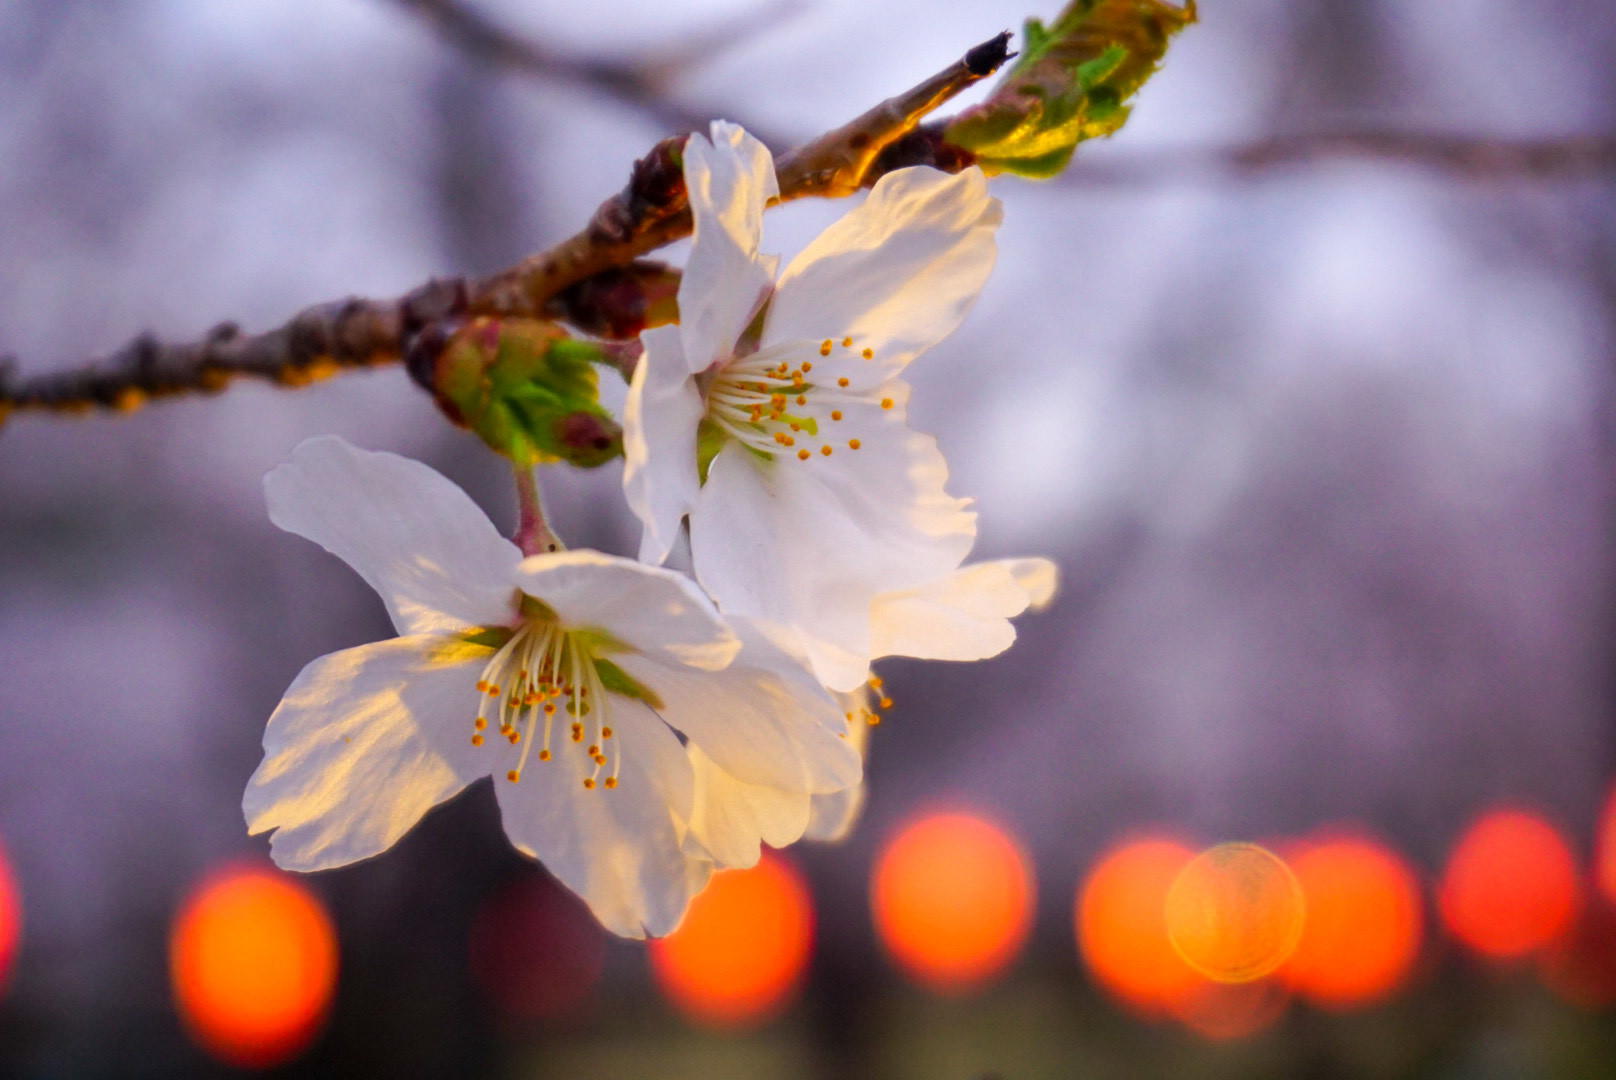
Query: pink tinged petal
[897,273]
[620,848]
[659,442]
[659,612]
[361,746]
[416,538]
[731,818]
[810,544]
[758,722]
[725,280]
[964,616]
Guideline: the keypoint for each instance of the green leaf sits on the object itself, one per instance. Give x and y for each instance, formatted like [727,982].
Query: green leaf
[1070,84]
[528,390]
[618,681]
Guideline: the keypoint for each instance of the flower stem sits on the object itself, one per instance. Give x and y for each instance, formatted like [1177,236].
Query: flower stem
[533,533]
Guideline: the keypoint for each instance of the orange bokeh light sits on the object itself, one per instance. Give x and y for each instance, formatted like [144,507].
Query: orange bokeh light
[1122,924]
[1235,912]
[1605,849]
[1121,917]
[253,959]
[1363,928]
[742,948]
[952,897]
[10,919]
[1580,965]
[1510,886]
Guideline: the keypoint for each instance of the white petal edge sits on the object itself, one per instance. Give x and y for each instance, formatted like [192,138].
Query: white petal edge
[358,750]
[659,612]
[731,819]
[619,849]
[964,616]
[898,272]
[729,180]
[831,816]
[412,534]
[660,419]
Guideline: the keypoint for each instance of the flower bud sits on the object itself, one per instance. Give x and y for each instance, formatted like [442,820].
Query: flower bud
[527,389]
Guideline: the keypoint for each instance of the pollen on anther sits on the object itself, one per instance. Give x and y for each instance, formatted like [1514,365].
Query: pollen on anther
[852,444]
[514,736]
[824,349]
[544,755]
[611,781]
[836,414]
[476,740]
[886,403]
[589,782]
[549,708]
[847,343]
[869,354]
[802,455]
[842,382]
[886,703]
[802,399]
[493,690]
[513,776]
[479,723]
[605,732]
[825,450]
[807,366]
[594,749]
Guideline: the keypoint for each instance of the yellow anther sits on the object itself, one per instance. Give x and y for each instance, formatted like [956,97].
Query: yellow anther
[589,782]
[611,781]
[788,440]
[605,732]
[544,755]
[600,759]
[874,719]
[482,686]
[842,381]
[825,450]
[479,723]
[802,455]
[476,740]
[847,343]
[869,354]
[549,708]
[875,681]
[853,444]
[796,427]
[513,776]
[824,350]
[493,690]
[836,414]
[886,703]
[807,365]
[886,403]
[593,749]
[802,399]
[514,736]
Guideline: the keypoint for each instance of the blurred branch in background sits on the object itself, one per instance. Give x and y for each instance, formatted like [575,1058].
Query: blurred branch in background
[1467,157]
[642,83]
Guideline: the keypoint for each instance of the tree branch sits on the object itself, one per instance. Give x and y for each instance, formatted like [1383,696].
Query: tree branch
[650,212]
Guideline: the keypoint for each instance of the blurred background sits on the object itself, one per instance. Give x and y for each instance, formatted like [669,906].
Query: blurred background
[1305,379]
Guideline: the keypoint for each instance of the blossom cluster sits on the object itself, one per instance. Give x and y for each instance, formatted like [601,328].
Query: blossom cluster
[645,726]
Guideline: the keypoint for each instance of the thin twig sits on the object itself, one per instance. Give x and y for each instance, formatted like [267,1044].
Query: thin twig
[322,340]
[1468,157]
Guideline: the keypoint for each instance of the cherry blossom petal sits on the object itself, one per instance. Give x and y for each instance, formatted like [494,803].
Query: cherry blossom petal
[361,746]
[620,849]
[730,818]
[964,616]
[729,180]
[831,816]
[659,442]
[763,719]
[810,544]
[417,539]
[898,272]
[659,612]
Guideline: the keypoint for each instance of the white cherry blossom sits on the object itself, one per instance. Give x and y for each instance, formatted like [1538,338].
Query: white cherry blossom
[773,416]
[571,678]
